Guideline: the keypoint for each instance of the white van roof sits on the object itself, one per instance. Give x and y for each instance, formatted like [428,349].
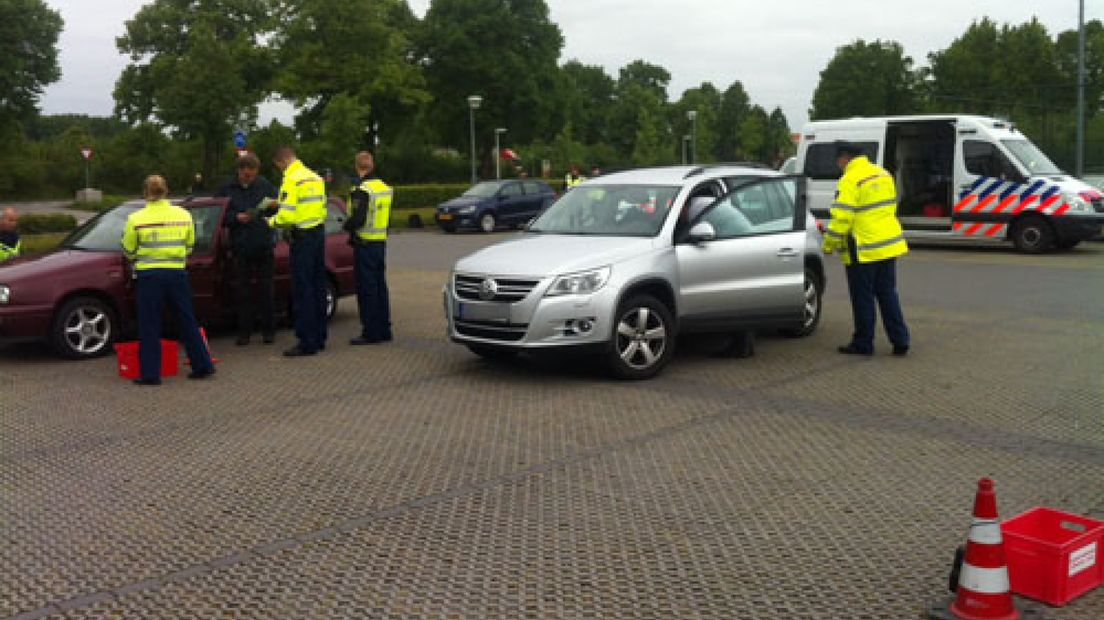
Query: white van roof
[879,122]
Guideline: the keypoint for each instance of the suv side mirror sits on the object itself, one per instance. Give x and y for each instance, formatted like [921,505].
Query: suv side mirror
[701,232]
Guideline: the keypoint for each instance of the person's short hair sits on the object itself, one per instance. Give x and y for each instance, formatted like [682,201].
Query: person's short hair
[155,187]
[249,160]
[284,153]
[850,149]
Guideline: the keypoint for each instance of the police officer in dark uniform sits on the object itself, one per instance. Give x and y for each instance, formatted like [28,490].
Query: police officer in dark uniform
[367,226]
[251,240]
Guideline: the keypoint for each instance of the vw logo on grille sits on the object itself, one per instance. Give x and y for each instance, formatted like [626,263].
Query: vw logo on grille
[488,288]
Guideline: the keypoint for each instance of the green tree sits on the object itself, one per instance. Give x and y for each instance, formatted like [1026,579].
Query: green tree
[866,79]
[28,57]
[705,101]
[653,77]
[640,85]
[754,130]
[505,51]
[735,106]
[358,48]
[779,143]
[196,66]
[1065,55]
[588,94]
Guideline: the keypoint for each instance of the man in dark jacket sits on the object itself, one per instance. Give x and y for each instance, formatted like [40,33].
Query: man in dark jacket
[251,241]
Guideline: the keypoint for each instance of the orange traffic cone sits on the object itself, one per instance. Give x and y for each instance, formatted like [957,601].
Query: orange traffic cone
[983,591]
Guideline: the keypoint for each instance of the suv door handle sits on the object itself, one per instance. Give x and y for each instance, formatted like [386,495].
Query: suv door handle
[787,253]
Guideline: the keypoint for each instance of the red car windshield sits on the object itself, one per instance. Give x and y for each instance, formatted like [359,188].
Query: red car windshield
[104,233]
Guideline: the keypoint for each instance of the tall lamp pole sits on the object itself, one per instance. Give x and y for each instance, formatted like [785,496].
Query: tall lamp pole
[473,104]
[693,116]
[498,154]
[1080,169]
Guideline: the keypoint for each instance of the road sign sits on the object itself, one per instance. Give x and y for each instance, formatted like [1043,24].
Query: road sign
[86,152]
[239,139]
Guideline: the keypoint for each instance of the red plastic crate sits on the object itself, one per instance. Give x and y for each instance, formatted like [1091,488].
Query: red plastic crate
[1053,556]
[129,367]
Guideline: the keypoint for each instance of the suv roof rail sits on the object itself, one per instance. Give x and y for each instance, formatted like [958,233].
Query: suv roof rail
[742,164]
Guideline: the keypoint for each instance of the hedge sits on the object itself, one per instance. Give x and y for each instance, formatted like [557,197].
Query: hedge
[37,223]
[426,196]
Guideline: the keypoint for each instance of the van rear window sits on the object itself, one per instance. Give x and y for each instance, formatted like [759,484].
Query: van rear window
[820,159]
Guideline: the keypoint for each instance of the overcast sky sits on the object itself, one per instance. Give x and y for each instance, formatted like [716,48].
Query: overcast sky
[776,49]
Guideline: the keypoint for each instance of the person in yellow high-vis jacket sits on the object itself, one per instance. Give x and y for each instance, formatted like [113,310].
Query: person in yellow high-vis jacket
[158,239]
[301,213]
[865,230]
[370,204]
[10,245]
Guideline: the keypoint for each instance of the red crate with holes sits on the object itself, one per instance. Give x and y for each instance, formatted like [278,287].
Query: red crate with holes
[1053,556]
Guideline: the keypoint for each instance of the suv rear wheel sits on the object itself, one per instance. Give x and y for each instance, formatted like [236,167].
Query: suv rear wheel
[812,304]
[643,338]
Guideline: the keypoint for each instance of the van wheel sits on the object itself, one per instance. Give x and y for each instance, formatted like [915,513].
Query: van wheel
[814,290]
[487,222]
[83,328]
[643,338]
[1033,235]
[492,352]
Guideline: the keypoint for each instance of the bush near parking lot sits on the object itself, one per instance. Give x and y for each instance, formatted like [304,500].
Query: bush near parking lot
[426,196]
[36,223]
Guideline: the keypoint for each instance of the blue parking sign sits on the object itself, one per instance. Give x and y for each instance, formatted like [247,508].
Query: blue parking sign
[239,139]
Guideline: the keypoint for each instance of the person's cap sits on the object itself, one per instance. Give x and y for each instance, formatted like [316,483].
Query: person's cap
[848,148]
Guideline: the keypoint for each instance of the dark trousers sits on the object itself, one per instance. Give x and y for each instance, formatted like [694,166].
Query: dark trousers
[372,297]
[155,287]
[870,283]
[308,283]
[249,301]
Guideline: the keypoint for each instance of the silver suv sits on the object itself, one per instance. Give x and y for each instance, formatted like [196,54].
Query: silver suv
[626,262]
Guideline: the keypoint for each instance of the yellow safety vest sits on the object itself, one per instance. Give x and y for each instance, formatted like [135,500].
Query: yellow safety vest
[302,199]
[865,210]
[570,182]
[378,218]
[160,236]
[8,252]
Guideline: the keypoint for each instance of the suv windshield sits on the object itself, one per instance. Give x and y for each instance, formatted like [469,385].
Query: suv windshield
[102,233]
[609,210]
[483,190]
[1031,157]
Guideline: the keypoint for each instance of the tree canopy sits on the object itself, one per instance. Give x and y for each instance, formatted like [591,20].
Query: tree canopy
[28,57]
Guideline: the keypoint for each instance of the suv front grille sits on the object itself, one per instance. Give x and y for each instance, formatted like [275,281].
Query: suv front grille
[508,290]
[491,331]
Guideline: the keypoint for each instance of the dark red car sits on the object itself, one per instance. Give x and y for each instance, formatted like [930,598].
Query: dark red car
[80,297]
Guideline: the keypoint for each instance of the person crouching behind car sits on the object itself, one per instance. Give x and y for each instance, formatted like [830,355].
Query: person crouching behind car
[251,239]
[158,238]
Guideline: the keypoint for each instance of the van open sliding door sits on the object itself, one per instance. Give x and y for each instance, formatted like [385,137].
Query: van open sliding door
[920,156]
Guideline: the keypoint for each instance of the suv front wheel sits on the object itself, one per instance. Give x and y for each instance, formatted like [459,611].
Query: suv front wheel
[643,338]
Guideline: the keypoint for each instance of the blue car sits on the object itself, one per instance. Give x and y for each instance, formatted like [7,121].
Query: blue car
[491,204]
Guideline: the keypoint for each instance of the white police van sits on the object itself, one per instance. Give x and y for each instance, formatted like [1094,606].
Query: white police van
[959,177]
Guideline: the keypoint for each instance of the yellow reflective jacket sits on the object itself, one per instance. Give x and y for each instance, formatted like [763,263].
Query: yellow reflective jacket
[10,246]
[159,236]
[302,199]
[865,213]
[378,203]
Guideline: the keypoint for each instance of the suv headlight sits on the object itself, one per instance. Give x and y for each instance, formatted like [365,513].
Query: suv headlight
[580,283]
[1077,203]
[5,294]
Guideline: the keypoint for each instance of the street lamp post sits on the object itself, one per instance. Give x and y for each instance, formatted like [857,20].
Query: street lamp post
[498,154]
[685,141]
[1080,166]
[693,116]
[473,104]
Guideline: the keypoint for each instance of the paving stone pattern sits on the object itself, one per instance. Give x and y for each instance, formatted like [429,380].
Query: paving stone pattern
[413,480]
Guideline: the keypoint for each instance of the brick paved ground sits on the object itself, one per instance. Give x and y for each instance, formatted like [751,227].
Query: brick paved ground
[413,480]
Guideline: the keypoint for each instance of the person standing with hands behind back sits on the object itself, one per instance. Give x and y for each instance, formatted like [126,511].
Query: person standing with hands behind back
[158,238]
[367,226]
[251,241]
[864,228]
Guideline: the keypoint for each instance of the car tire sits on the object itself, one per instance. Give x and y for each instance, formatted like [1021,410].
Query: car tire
[487,222]
[1033,235]
[643,338]
[812,304]
[489,352]
[331,299]
[83,328]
